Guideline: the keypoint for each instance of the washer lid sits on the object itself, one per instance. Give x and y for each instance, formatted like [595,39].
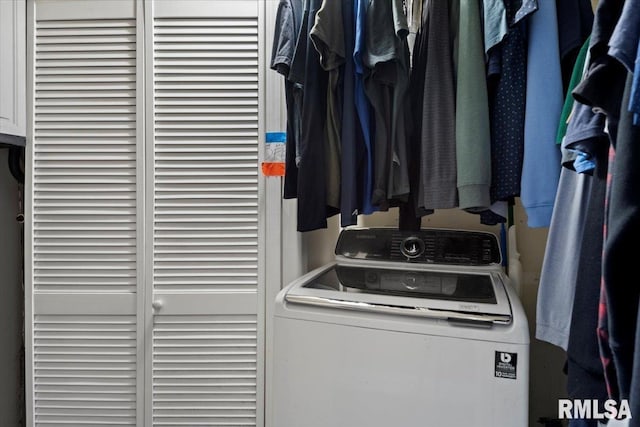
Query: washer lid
[453,294]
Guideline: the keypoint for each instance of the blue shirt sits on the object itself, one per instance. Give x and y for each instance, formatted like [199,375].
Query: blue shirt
[352,144]
[585,132]
[623,43]
[363,107]
[541,166]
[634,100]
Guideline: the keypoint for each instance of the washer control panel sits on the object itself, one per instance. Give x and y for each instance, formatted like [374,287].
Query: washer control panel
[433,246]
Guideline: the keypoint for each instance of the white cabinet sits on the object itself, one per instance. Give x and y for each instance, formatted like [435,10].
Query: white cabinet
[145,296]
[12,71]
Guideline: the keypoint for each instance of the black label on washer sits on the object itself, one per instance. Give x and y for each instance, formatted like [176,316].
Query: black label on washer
[506,365]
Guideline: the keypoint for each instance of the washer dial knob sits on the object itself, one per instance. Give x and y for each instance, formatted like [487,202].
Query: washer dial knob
[412,247]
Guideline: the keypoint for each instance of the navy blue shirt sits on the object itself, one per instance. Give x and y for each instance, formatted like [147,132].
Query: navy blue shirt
[620,259]
[507,101]
[352,139]
[575,21]
[363,106]
[312,201]
[585,379]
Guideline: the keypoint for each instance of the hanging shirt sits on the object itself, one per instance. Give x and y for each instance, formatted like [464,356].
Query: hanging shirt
[604,82]
[601,90]
[588,125]
[575,21]
[624,48]
[353,150]
[312,197]
[363,107]
[624,41]
[576,77]
[387,56]
[602,87]
[495,23]
[606,356]
[634,99]
[541,165]
[438,180]
[524,9]
[560,266]
[561,272]
[623,232]
[288,20]
[327,36]
[560,269]
[496,214]
[585,375]
[622,221]
[410,213]
[414,12]
[473,136]
[507,74]
[298,63]
[401,123]
[585,132]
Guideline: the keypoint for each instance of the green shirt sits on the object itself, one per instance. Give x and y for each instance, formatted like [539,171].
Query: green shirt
[576,77]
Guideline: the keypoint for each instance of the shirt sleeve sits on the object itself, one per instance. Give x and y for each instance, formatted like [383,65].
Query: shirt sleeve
[327,35]
[284,39]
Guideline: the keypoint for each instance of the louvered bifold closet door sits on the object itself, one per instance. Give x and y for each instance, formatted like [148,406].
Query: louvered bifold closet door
[206,350]
[84,231]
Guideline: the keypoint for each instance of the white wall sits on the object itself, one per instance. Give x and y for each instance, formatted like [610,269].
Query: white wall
[11,302]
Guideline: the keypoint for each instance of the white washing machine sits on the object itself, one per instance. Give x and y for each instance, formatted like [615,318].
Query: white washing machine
[404,329]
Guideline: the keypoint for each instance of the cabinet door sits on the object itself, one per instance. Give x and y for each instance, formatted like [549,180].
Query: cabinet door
[12,69]
[84,230]
[145,301]
[205,244]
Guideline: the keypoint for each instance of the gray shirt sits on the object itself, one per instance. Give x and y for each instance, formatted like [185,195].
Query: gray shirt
[560,267]
[327,36]
[288,21]
[387,55]
[438,173]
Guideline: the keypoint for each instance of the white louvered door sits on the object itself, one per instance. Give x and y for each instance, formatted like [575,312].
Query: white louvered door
[144,301]
[85,232]
[206,349]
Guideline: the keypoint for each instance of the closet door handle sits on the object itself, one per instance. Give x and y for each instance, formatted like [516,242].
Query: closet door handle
[157,305]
